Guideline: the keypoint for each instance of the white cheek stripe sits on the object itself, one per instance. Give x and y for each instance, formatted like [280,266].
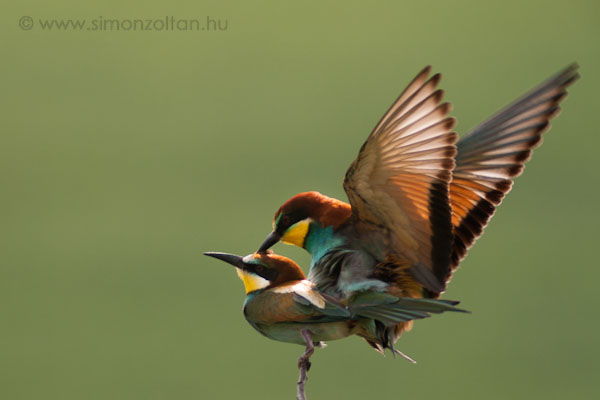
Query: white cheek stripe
[303,289]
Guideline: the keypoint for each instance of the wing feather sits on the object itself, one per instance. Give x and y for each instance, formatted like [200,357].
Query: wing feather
[398,184]
[494,153]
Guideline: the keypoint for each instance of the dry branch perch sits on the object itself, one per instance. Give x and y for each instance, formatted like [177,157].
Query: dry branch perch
[304,364]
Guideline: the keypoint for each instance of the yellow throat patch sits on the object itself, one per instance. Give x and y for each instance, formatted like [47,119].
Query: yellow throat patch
[252,282]
[296,233]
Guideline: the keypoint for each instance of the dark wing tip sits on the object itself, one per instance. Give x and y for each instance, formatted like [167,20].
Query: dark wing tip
[524,155]
[445,107]
[450,123]
[495,196]
[437,95]
[435,79]
[515,170]
[504,185]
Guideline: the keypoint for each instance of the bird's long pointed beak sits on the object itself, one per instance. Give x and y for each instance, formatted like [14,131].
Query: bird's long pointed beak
[232,259]
[271,239]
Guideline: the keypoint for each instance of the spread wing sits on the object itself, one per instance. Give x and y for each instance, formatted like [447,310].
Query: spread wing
[495,152]
[398,184]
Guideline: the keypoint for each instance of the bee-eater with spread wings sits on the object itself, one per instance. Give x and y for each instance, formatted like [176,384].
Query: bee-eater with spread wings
[419,197]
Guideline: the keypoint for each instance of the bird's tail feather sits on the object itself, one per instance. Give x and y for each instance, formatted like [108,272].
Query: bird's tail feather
[391,315]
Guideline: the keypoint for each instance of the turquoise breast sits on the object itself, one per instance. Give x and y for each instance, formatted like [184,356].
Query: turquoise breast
[320,240]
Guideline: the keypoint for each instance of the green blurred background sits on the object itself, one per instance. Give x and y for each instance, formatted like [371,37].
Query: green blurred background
[125,155]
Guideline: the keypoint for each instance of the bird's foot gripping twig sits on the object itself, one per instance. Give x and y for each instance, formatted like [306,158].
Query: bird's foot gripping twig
[304,364]
[401,354]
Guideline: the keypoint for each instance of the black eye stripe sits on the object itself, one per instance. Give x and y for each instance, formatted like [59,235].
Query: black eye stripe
[290,219]
[267,273]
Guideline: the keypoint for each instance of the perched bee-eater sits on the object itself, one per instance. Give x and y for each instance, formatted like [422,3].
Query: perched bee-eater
[283,305]
[419,197]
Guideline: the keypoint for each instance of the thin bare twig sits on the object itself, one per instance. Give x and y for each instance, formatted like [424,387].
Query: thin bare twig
[304,364]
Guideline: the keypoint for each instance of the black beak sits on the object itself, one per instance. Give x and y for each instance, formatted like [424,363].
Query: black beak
[273,238]
[232,259]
